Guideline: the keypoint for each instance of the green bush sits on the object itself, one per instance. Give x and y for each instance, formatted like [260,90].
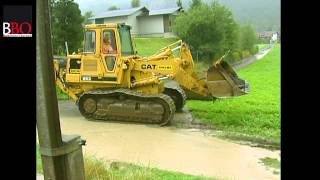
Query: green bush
[236,56]
[248,38]
[263,41]
[219,31]
[254,50]
[245,54]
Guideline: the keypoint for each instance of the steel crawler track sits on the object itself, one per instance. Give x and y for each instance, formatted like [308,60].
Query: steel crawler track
[126,105]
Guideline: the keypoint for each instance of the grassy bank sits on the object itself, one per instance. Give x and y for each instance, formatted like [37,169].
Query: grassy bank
[263,46]
[61,95]
[98,169]
[272,164]
[256,114]
[149,46]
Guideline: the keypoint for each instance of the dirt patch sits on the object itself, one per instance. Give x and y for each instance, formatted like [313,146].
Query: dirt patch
[184,119]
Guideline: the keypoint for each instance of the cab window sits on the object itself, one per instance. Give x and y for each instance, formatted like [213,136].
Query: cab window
[90,42]
[109,42]
[126,44]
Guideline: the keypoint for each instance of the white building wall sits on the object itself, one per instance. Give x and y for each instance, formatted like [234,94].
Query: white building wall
[120,19]
[129,20]
[133,22]
[151,24]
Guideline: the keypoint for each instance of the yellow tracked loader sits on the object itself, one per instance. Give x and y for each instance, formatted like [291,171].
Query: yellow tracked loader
[109,81]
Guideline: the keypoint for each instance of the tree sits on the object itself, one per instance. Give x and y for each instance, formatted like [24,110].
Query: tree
[195,3]
[66,26]
[113,7]
[86,17]
[135,3]
[179,3]
[248,39]
[208,29]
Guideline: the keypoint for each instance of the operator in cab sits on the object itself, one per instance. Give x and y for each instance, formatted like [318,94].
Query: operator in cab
[107,48]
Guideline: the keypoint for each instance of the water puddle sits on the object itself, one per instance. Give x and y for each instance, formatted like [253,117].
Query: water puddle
[190,151]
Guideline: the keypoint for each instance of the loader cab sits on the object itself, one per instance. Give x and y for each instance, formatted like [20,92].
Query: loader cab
[114,36]
[105,47]
[115,43]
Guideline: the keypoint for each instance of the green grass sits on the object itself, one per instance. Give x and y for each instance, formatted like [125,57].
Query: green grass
[271,163]
[98,169]
[262,46]
[39,162]
[61,95]
[149,46]
[256,114]
[131,171]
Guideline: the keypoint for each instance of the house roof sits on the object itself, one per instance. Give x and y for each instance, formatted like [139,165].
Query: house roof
[267,33]
[115,13]
[127,12]
[163,11]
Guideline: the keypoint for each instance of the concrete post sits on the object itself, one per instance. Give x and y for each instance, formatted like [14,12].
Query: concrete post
[61,156]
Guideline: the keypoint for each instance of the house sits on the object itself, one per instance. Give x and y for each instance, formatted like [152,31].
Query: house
[266,34]
[144,22]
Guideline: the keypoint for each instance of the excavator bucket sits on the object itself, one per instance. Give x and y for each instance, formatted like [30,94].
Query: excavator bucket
[223,81]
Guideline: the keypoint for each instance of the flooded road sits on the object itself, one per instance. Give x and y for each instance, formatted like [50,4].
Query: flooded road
[184,150]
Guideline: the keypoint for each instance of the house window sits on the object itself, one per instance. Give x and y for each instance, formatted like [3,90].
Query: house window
[99,21]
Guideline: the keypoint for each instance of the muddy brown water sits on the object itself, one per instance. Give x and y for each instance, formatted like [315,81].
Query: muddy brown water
[185,150]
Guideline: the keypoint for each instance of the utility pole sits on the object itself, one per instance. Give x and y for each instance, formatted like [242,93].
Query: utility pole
[61,156]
